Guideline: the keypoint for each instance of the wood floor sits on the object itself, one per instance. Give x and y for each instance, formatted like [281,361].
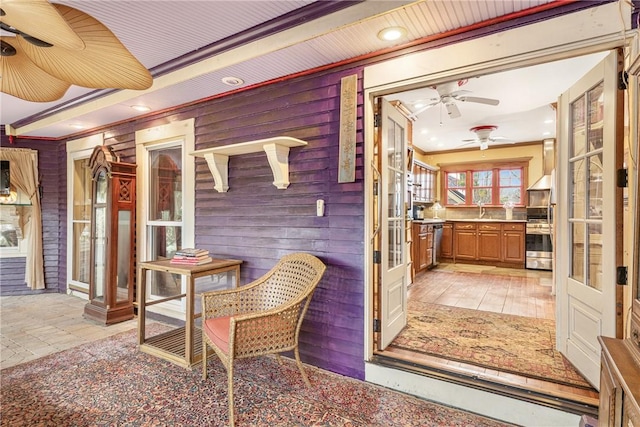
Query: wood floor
[531,298]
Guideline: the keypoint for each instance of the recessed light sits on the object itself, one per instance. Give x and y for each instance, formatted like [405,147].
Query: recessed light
[546,133]
[392,33]
[141,108]
[232,81]
[548,121]
[77,126]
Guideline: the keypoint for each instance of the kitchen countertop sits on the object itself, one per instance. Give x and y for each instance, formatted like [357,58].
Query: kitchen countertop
[441,220]
[430,220]
[486,220]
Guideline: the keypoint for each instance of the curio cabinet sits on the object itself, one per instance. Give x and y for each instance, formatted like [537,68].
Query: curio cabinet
[113,204]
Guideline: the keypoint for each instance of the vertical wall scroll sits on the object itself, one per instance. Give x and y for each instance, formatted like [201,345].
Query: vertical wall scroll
[348,118]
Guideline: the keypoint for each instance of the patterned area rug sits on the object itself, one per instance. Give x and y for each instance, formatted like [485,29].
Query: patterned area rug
[109,382]
[516,344]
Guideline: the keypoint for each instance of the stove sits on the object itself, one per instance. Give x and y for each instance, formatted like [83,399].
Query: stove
[539,249]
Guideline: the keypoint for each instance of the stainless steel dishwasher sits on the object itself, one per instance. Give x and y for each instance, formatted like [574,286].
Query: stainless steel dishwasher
[437,243]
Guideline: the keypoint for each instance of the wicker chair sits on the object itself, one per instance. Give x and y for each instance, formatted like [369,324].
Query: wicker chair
[262,317]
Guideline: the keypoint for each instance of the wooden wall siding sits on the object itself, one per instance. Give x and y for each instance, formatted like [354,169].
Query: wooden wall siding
[52,169]
[256,222]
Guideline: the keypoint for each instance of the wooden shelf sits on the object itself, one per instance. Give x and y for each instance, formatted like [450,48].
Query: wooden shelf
[276,149]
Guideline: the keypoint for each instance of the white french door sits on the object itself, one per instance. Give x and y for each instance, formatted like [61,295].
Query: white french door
[588,237]
[391,161]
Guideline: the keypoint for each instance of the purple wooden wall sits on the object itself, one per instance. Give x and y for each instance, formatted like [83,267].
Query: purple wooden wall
[53,178]
[256,222]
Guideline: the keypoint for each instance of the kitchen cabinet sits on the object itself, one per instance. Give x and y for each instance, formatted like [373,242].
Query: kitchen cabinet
[495,243]
[489,242]
[422,246]
[424,182]
[513,247]
[446,244]
[465,241]
[619,383]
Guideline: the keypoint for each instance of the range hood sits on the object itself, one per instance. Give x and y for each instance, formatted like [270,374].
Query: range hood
[548,164]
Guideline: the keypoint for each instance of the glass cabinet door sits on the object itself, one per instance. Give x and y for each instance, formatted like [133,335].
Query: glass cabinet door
[124,253]
[100,238]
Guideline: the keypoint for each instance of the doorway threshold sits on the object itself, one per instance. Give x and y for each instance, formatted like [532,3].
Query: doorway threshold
[574,400]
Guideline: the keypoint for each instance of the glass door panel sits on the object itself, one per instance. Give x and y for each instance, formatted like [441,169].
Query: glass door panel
[100,248]
[124,254]
[164,219]
[594,279]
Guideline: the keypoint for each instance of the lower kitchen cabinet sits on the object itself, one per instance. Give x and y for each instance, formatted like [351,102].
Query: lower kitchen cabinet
[489,242]
[422,246]
[465,241]
[446,244]
[514,243]
[495,243]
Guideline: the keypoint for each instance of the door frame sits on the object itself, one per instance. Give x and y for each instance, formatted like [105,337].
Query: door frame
[563,37]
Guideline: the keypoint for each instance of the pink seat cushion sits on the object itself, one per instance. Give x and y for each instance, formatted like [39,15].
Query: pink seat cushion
[217,329]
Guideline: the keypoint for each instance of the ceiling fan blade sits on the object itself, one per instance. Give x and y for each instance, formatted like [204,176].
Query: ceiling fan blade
[104,62]
[452,110]
[23,79]
[423,109]
[468,142]
[487,101]
[49,26]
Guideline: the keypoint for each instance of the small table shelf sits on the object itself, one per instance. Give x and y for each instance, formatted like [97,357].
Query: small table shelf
[181,345]
[276,149]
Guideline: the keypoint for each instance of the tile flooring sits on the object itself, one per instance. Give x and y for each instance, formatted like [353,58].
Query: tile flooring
[33,326]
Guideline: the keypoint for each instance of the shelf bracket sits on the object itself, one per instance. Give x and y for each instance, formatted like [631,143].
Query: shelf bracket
[276,149]
[278,156]
[219,167]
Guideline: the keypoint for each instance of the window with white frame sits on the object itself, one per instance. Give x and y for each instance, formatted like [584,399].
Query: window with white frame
[79,212]
[166,206]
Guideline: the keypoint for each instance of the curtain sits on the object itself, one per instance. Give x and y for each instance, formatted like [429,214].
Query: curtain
[24,176]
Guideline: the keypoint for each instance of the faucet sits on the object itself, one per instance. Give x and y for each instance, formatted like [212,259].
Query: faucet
[481,210]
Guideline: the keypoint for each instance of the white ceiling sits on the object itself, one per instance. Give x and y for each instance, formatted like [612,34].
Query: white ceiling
[158,32]
[524,114]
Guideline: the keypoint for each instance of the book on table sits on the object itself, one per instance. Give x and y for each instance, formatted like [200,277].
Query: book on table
[191,261]
[191,256]
[191,253]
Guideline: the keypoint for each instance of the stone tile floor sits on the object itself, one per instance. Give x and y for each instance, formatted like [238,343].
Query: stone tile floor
[33,326]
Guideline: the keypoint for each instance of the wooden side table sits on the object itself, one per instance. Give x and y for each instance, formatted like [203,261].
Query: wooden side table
[179,345]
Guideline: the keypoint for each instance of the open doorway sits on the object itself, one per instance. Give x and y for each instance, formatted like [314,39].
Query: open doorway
[442,119]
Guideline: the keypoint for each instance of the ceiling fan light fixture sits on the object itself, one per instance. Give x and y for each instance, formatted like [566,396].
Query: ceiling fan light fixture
[392,33]
[483,131]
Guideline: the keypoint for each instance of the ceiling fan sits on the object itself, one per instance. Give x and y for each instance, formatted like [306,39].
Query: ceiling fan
[449,95]
[483,136]
[52,46]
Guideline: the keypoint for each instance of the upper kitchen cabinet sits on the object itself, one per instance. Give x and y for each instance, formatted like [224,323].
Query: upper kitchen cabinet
[424,182]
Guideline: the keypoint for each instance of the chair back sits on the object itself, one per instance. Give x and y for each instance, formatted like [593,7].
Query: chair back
[291,280]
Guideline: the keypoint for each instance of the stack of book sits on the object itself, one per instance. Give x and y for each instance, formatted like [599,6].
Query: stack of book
[191,256]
